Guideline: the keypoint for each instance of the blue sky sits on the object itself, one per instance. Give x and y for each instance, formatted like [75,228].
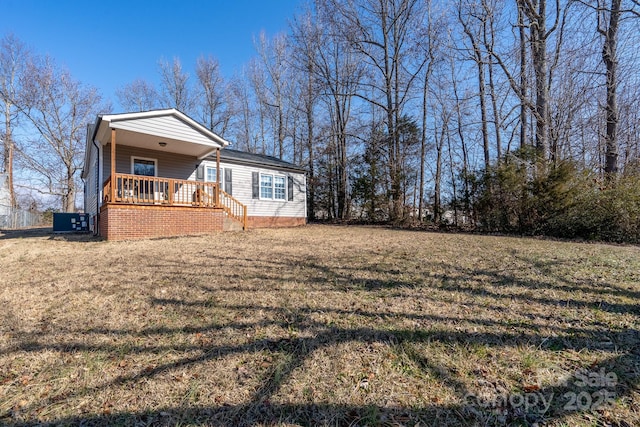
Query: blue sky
[109,44]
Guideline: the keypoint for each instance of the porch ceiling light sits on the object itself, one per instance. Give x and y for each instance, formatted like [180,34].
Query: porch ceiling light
[162,144]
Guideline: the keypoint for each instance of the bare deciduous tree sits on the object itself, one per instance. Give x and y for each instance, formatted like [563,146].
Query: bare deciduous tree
[383,32]
[242,123]
[13,57]
[273,54]
[175,90]
[474,19]
[339,73]
[257,79]
[213,105]
[138,95]
[59,108]
[535,12]
[608,28]
[431,48]
[304,35]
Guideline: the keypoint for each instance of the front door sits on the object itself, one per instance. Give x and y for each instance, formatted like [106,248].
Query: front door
[144,167]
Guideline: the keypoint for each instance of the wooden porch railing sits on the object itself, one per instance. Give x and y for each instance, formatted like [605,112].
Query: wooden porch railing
[138,189]
[234,208]
[106,191]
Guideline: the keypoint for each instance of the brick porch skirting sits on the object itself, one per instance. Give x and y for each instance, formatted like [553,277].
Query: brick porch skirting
[124,222]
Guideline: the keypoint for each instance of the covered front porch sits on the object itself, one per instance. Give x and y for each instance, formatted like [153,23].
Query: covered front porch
[151,161]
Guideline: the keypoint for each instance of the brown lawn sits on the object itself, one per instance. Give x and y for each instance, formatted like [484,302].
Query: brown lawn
[317,325]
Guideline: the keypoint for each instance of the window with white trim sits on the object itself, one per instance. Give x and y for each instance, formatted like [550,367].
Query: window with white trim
[266,186]
[144,166]
[279,188]
[210,174]
[144,188]
[273,187]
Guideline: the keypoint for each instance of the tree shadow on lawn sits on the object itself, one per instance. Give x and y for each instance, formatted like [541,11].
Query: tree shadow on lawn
[24,233]
[47,232]
[577,392]
[588,385]
[348,276]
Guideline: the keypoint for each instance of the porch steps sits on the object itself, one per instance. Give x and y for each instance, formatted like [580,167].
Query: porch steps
[231,224]
[235,218]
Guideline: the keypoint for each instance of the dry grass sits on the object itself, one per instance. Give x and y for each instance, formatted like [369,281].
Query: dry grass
[317,325]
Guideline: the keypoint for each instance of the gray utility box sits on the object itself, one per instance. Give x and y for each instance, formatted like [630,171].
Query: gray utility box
[70,223]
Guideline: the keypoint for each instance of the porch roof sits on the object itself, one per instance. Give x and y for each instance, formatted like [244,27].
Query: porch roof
[164,130]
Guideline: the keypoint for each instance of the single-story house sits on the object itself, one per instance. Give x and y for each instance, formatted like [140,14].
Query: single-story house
[160,173]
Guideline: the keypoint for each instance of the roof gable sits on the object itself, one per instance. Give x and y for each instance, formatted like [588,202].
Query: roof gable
[170,124]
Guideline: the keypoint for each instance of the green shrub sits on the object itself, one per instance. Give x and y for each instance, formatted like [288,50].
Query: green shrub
[610,213]
[522,195]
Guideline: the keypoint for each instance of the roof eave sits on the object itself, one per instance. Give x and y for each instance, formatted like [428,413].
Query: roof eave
[89,143]
[208,154]
[292,168]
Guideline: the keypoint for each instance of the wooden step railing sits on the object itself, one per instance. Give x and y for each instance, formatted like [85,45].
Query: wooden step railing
[234,208]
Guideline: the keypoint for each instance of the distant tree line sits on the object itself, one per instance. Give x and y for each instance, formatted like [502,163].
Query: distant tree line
[490,114]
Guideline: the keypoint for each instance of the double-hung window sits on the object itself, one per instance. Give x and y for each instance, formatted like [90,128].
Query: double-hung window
[279,188]
[211,174]
[266,186]
[273,187]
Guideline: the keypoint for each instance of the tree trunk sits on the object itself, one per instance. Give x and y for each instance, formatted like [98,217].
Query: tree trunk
[311,201]
[488,40]
[538,29]
[483,109]
[8,155]
[280,130]
[523,77]
[609,56]
[478,58]
[392,134]
[437,204]
[69,194]
[463,143]
[423,144]
[454,200]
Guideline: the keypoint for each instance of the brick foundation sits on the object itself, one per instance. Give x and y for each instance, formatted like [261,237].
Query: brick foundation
[274,221]
[125,222]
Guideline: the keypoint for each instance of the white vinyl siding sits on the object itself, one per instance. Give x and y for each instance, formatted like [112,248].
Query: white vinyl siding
[168,127]
[91,184]
[242,180]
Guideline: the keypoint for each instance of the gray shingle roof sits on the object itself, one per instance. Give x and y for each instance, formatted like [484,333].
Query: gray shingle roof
[257,159]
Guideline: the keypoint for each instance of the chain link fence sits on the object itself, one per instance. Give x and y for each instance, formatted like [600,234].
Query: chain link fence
[11,218]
